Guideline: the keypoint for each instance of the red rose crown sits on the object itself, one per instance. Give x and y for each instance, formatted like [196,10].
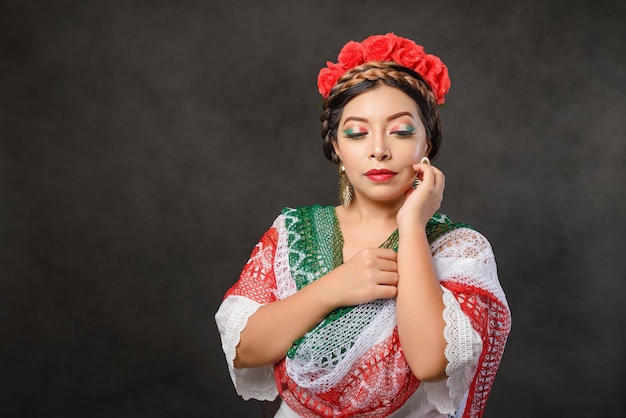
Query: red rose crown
[387,47]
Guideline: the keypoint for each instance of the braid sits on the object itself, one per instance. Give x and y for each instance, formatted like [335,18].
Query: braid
[367,76]
[379,70]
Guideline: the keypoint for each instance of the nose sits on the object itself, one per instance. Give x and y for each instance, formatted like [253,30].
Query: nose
[380,150]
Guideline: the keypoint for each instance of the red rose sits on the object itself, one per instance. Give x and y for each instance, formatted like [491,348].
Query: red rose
[436,75]
[443,81]
[379,47]
[328,76]
[352,54]
[407,53]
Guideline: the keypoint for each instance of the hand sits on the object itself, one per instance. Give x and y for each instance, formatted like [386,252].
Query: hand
[420,204]
[371,274]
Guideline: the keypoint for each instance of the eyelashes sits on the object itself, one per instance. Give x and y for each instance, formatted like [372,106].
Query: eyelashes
[405,133]
[355,133]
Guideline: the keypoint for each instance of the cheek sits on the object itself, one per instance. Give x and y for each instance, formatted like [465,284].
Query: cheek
[421,150]
[351,151]
[415,153]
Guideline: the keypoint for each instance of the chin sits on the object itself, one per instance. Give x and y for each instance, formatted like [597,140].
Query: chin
[388,198]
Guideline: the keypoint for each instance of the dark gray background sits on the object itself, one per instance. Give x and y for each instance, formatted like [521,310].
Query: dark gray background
[147,146]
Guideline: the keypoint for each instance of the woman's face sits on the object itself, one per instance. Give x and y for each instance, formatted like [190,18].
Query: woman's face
[379,138]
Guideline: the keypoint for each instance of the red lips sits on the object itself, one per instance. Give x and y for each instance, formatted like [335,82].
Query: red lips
[380,175]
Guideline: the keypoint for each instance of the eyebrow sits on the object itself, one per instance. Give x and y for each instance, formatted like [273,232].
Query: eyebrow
[390,118]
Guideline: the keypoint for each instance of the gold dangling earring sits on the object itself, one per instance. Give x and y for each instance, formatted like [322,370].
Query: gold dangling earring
[345,188]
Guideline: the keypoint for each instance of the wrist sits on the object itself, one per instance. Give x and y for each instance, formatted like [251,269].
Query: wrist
[412,227]
[324,295]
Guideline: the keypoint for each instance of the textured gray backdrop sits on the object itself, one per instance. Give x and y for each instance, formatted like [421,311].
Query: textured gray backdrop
[146,146]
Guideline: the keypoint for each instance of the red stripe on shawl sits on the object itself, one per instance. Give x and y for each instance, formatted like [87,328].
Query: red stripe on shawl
[383,368]
[491,318]
[257,280]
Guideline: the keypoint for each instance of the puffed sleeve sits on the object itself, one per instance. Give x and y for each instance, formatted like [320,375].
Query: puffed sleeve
[256,286]
[477,319]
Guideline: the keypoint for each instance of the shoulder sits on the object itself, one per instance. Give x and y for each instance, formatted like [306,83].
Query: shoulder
[440,224]
[305,210]
[301,216]
[457,237]
[306,214]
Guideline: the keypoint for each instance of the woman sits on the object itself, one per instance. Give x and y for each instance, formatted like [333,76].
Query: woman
[380,306]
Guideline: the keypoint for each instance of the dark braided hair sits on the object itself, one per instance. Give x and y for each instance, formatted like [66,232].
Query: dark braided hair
[368,76]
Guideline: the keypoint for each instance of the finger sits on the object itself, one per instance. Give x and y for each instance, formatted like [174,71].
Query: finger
[387,291]
[438,177]
[385,254]
[432,175]
[439,181]
[425,173]
[387,265]
[388,278]
[421,166]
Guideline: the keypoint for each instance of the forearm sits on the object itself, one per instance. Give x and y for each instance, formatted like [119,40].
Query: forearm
[273,328]
[420,307]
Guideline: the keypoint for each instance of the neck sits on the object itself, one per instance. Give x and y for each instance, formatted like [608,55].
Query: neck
[369,212]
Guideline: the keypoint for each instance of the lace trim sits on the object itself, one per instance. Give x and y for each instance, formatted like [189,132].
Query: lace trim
[462,352]
[232,318]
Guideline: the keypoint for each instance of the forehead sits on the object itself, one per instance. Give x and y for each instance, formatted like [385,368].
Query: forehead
[380,103]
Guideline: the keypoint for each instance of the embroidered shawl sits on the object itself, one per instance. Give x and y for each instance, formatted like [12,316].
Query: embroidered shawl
[352,362]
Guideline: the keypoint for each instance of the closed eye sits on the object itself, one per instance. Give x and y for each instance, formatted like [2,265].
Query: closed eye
[354,133]
[404,133]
